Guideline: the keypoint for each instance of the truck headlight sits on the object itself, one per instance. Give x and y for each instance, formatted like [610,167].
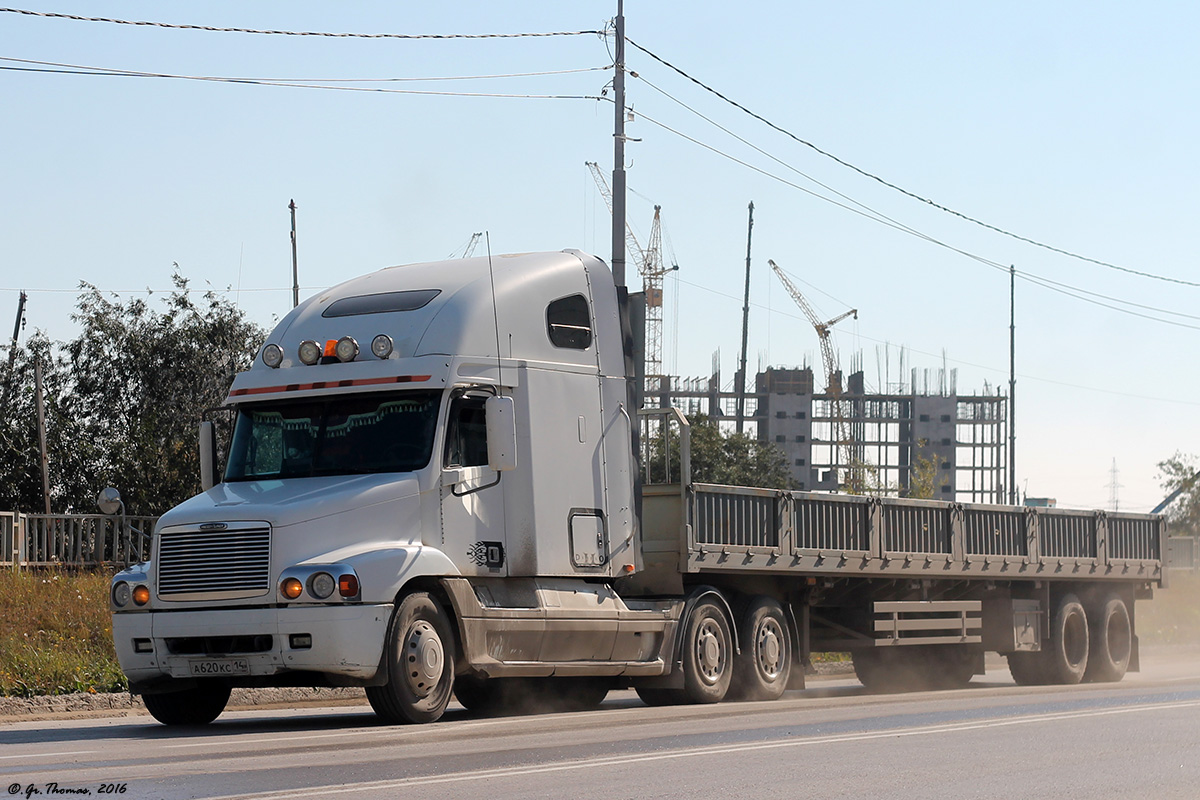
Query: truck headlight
[321,585]
[121,594]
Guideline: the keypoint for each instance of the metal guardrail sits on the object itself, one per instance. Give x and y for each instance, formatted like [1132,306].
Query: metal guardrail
[41,540]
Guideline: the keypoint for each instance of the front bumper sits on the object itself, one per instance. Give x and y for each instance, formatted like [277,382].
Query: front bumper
[346,640]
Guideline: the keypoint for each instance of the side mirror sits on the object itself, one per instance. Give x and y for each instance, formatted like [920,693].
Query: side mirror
[501,420]
[109,501]
[208,456]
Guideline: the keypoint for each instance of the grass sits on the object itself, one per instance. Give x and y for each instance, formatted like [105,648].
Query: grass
[56,634]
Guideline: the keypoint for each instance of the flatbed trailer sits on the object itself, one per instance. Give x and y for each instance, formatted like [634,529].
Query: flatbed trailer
[860,573]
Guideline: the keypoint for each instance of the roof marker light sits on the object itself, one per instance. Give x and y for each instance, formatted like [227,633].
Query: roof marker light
[272,355]
[381,346]
[346,349]
[309,352]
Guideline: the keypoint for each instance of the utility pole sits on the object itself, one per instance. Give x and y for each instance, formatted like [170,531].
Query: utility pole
[295,270]
[741,373]
[12,350]
[618,181]
[1012,385]
[41,420]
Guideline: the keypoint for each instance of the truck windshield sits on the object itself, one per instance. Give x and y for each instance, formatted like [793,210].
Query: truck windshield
[344,435]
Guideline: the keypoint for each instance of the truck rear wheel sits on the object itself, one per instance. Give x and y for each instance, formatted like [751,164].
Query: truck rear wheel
[198,705]
[1110,637]
[707,654]
[761,669]
[419,658]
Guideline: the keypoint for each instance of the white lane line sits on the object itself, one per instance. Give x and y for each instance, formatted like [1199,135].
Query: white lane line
[609,761]
[53,755]
[359,732]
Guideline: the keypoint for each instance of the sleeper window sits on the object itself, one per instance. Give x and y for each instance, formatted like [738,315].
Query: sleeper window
[569,323]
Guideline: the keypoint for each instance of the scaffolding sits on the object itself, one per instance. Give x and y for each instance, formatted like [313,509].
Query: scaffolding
[922,427]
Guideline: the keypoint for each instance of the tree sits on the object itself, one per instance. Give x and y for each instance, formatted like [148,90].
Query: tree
[1178,472]
[732,459]
[923,480]
[124,399]
[21,476]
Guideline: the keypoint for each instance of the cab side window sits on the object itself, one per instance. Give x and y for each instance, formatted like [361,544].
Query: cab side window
[569,323]
[466,435]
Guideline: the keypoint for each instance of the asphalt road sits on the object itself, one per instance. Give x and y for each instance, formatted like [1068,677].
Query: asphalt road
[1139,738]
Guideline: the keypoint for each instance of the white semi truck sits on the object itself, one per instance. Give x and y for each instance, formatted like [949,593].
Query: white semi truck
[438,484]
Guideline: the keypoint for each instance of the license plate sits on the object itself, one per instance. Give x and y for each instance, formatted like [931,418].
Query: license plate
[216,667]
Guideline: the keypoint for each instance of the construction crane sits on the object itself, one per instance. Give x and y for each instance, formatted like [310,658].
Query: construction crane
[470,248]
[650,266]
[833,379]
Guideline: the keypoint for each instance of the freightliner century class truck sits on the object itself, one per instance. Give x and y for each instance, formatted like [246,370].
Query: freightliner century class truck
[438,484]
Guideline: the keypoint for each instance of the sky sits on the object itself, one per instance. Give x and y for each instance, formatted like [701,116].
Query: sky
[1071,124]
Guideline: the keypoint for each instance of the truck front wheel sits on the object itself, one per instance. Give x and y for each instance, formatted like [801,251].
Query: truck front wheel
[198,705]
[419,658]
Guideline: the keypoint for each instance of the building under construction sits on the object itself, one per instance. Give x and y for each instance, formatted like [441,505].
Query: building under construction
[920,435]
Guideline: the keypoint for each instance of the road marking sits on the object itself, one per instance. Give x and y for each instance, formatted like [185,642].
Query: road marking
[292,739]
[609,761]
[55,755]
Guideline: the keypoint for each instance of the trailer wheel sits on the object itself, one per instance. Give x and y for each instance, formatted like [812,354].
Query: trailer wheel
[761,670]
[1028,669]
[419,657]
[1063,659]
[1067,656]
[199,705]
[707,655]
[1111,642]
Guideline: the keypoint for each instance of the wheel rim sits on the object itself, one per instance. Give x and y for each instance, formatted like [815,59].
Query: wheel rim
[710,651]
[768,648]
[424,658]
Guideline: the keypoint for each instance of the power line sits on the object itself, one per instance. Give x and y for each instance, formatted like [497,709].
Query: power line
[106,72]
[119,71]
[210,28]
[901,189]
[871,214]
[939,356]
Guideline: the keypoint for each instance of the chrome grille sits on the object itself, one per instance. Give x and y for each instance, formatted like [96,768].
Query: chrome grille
[228,563]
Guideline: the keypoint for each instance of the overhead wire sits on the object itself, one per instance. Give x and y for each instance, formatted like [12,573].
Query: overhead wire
[868,213]
[118,73]
[902,190]
[1004,371]
[121,71]
[327,34]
